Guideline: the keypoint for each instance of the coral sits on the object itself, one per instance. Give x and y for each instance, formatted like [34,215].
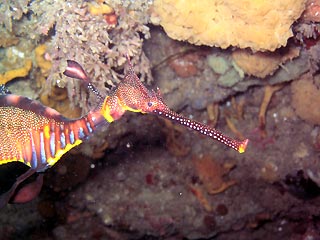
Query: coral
[8,39]
[18,72]
[261,25]
[12,10]
[52,96]
[262,64]
[15,56]
[57,98]
[45,14]
[306,97]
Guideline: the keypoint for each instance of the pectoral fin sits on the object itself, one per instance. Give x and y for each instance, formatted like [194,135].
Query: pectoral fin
[5,198]
[29,191]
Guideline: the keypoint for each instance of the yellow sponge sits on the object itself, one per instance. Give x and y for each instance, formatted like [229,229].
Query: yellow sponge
[44,65]
[14,73]
[99,8]
[259,24]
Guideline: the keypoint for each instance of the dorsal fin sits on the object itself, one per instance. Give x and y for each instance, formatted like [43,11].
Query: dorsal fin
[133,80]
[131,70]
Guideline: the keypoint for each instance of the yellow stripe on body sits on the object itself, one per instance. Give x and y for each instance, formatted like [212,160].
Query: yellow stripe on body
[60,152]
[46,131]
[108,112]
[4,161]
[126,108]
[105,111]
[50,161]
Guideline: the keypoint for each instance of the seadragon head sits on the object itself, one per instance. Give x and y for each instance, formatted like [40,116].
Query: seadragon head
[137,98]
[131,95]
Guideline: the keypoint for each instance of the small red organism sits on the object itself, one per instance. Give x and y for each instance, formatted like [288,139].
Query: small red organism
[111,19]
[149,179]
[221,210]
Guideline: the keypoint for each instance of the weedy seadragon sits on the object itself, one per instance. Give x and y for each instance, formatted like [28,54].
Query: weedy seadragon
[38,136]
